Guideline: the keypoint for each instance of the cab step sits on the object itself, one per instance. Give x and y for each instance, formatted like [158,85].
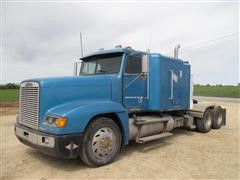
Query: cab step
[153,137]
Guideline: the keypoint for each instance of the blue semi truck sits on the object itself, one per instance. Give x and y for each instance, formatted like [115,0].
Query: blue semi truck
[118,95]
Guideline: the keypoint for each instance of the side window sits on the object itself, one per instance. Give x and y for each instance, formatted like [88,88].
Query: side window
[133,65]
[89,68]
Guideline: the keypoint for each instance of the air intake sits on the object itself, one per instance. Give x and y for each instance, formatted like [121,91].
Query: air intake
[29,104]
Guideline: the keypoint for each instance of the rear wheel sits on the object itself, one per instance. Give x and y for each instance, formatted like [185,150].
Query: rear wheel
[217,117]
[204,125]
[101,142]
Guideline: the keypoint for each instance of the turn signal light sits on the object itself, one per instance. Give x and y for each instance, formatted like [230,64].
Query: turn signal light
[61,122]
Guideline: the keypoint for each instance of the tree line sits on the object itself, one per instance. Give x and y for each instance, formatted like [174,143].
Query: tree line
[9,86]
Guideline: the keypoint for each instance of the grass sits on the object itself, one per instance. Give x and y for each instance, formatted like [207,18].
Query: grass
[217,91]
[11,95]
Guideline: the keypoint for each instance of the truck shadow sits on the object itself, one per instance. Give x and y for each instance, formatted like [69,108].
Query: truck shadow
[77,164]
[57,163]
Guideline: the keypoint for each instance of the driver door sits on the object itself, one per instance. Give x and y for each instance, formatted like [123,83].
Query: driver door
[135,83]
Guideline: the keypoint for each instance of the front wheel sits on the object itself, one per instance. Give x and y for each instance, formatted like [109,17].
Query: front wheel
[101,142]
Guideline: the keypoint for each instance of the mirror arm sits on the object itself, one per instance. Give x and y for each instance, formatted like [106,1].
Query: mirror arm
[75,70]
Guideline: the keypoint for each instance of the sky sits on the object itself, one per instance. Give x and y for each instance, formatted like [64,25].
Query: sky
[41,39]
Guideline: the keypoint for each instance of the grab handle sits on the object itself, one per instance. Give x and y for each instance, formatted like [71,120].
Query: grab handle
[171,81]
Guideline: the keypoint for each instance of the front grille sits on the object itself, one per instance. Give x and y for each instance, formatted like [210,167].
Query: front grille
[29,104]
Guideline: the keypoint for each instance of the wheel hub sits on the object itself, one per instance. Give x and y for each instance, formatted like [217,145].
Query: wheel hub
[103,142]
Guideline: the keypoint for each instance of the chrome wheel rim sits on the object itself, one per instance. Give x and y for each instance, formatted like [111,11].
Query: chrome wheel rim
[103,143]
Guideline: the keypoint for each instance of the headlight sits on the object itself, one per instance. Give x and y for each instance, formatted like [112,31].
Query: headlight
[58,122]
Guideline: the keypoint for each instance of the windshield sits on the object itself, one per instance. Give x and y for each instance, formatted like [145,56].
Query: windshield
[101,64]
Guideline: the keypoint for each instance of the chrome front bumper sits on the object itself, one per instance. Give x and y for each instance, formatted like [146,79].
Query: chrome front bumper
[34,138]
[63,146]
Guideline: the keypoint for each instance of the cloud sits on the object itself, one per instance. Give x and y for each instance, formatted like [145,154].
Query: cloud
[42,39]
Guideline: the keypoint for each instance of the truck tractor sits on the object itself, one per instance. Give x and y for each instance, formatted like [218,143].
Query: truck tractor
[115,96]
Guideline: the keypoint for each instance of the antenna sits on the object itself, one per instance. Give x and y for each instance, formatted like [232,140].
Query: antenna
[81,44]
[149,39]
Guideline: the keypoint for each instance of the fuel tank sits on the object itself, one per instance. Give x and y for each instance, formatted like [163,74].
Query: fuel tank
[152,125]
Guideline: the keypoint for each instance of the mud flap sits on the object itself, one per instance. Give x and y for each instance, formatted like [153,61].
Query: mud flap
[224,117]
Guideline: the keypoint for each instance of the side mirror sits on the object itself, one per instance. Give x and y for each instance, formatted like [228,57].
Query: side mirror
[77,67]
[145,63]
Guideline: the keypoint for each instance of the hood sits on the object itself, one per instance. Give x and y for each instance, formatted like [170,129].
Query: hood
[60,90]
[73,81]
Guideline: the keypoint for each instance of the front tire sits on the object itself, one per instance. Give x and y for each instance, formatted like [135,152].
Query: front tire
[101,142]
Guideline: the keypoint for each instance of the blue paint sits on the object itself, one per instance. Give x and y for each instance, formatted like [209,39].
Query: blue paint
[81,111]
[160,84]
[81,98]
[135,92]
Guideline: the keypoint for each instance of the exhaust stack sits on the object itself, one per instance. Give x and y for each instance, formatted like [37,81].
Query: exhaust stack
[176,51]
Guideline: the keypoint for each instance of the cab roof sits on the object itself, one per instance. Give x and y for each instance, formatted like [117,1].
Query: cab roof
[125,50]
[115,50]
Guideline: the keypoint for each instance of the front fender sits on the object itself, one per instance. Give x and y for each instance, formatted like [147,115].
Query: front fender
[79,113]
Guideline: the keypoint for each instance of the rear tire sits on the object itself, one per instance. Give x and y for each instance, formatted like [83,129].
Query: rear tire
[217,117]
[101,142]
[204,125]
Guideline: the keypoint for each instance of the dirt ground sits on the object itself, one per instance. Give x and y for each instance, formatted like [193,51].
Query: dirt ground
[186,155]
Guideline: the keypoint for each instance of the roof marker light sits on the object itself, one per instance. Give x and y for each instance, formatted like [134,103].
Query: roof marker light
[118,46]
